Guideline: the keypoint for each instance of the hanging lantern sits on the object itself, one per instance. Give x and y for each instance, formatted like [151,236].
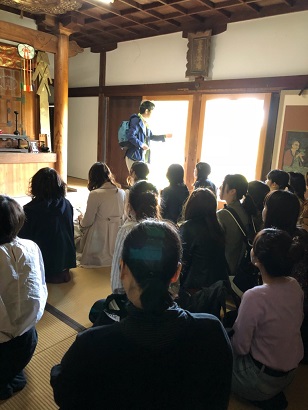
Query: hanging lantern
[27,53]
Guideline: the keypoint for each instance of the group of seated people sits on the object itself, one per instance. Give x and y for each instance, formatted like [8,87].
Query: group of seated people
[160,355]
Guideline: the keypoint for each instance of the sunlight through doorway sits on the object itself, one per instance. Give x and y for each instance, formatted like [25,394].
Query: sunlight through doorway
[231,136]
[167,117]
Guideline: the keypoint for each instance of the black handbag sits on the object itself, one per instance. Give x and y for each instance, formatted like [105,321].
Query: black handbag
[247,275]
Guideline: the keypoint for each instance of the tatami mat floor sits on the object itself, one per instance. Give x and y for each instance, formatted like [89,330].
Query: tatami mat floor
[76,297]
[74,300]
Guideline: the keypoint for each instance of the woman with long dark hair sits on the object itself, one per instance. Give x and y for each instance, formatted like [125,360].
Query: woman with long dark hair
[174,196]
[49,223]
[203,242]
[102,219]
[159,356]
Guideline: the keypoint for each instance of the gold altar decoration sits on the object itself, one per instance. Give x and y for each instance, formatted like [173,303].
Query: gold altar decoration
[198,54]
[9,57]
[44,6]
[42,73]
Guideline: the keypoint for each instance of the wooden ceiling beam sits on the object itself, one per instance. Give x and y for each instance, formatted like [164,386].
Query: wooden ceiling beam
[37,39]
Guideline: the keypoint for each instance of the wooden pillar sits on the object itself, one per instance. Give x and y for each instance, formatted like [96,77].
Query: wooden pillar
[61,103]
[194,143]
[102,111]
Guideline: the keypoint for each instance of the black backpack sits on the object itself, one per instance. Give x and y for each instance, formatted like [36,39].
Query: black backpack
[209,299]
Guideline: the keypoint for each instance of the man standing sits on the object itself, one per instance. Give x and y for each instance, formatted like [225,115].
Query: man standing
[139,135]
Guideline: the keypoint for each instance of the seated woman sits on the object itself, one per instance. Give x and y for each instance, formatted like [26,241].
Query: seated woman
[281,210]
[174,196]
[277,179]
[49,223]
[298,184]
[254,202]
[232,190]
[102,219]
[159,356]
[139,171]
[23,295]
[203,241]
[142,204]
[202,171]
[266,339]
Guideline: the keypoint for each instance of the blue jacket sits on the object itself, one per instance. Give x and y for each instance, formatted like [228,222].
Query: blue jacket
[138,134]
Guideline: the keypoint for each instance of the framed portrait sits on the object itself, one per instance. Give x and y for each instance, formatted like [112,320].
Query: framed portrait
[290,151]
[295,152]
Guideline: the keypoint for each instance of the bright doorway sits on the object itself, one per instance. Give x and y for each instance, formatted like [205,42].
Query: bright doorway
[234,135]
[169,116]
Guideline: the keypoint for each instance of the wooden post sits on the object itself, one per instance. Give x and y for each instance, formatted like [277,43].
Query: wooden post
[102,111]
[61,103]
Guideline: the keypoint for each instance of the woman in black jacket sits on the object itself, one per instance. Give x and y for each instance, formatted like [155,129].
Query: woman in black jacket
[203,243]
[49,223]
[158,357]
[174,196]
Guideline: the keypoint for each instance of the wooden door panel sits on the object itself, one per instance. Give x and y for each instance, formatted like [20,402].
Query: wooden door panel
[119,109]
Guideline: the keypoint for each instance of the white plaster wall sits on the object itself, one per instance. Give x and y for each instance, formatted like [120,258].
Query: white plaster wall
[148,61]
[84,69]
[267,47]
[82,135]
[16,19]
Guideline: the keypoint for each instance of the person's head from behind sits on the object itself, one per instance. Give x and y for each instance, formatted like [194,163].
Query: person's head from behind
[281,210]
[273,249]
[175,174]
[277,179]
[151,258]
[47,184]
[233,188]
[201,204]
[99,173]
[138,171]
[298,184]
[258,190]
[12,218]
[146,108]
[202,171]
[143,200]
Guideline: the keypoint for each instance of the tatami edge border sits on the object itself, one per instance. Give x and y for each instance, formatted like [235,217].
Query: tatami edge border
[64,318]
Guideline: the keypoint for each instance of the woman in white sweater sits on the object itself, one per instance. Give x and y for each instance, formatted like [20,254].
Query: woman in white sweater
[23,295]
[102,219]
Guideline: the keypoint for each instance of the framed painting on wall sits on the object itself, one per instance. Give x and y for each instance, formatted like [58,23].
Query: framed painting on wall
[295,152]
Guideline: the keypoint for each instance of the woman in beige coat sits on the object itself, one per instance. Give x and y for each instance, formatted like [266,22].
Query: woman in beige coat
[102,219]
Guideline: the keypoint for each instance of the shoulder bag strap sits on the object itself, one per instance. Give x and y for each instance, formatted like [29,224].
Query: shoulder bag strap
[236,219]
